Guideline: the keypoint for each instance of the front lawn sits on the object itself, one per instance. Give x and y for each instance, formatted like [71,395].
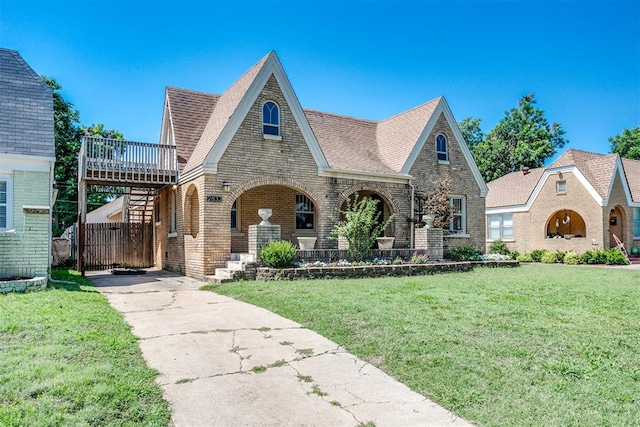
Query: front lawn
[539,345]
[67,358]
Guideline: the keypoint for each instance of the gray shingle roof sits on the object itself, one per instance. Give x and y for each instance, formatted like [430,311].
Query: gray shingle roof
[597,168]
[632,172]
[512,189]
[26,109]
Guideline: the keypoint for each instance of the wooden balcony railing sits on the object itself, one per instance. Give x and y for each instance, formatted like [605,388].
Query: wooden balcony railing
[110,161]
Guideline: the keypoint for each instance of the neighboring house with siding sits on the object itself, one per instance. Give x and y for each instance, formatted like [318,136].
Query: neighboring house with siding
[578,203]
[27,157]
[254,146]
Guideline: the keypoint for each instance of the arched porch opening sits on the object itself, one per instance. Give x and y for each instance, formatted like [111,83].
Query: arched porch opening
[566,223]
[384,209]
[616,225]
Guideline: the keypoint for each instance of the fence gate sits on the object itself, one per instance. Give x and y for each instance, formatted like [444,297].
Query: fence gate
[110,245]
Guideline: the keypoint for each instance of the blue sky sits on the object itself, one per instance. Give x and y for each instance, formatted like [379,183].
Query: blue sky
[368,59]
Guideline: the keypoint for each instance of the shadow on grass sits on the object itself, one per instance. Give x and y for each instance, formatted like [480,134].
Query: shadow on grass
[68,275]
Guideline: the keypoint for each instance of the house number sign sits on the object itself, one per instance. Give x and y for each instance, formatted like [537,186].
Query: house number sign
[215,199]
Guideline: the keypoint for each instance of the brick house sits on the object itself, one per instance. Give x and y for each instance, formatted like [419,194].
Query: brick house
[578,203]
[255,147]
[27,157]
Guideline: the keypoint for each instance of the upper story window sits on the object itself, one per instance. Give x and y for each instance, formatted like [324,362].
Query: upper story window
[305,213]
[5,202]
[458,221]
[442,148]
[500,226]
[270,119]
[561,186]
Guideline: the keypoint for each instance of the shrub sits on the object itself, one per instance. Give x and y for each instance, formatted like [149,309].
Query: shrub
[419,258]
[594,257]
[397,261]
[571,258]
[526,257]
[536,255]
[614,256]
[548,257]
[560,256]
[278,254]
[499,247]
[464,253]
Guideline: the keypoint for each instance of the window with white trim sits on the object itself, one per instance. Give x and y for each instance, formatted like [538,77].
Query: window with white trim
[234,216]
[270,119]
[458,220]
[561,186]
[442,149]
[500,226]
[305,213]
[636,223]
[5,203]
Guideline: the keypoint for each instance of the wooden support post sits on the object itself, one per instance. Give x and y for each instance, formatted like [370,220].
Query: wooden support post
[82,218]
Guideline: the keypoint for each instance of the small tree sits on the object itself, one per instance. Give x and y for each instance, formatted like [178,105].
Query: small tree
[360,226]
[434,200]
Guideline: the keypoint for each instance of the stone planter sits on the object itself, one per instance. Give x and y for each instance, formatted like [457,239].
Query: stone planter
[385,242]
[265,214]
[307,243]
[428,219]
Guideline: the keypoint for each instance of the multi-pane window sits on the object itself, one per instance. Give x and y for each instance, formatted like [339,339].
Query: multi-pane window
[305,213]
[636,223]
[270,119]
[234,215]
[458,221]
[500,227]
[3,204]
[441,148]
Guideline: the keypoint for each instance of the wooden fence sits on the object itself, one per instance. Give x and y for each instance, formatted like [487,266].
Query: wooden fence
[110,245]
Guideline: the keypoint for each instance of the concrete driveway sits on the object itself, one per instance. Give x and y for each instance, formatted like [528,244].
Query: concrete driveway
[222,362]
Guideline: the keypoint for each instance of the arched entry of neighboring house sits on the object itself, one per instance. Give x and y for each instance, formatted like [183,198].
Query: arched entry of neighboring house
[616,225]
[566,223]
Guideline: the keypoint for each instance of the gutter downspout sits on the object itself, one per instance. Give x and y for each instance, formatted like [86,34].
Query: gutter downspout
[51,202]
[413,192]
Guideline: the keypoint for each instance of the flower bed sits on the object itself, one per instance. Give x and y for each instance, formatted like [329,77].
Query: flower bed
[22,285]
[379,270]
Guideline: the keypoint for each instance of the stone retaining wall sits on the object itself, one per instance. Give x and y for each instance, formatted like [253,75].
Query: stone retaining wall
[352,272]
[23,285]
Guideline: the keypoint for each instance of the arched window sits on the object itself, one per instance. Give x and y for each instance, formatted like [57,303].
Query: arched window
[270,119]
[442,148]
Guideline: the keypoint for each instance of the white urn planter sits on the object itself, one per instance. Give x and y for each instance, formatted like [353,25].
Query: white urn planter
[265,214]
[307,243]
[428,219]
[385,242]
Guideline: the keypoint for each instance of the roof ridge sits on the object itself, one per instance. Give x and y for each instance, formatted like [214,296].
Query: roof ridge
[191,90]
[412,109]
[344,116]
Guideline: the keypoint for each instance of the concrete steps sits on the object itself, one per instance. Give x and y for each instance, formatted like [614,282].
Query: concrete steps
[237,263]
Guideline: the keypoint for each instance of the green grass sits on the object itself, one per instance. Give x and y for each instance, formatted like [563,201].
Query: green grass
[539,345]
[67,358]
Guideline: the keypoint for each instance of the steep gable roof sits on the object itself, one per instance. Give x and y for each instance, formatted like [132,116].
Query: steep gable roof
[398,135]
[189,111]
[632,172]
[224,108]
[26,110]
[512,189]
[596,168]
[347,142]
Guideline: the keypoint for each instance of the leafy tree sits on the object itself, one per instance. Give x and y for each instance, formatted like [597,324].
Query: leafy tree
[360,226]
[68,139]
[523,138]
[434,200]
[470,129]
[627,144]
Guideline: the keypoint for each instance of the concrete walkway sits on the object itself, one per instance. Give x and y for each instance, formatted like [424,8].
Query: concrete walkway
[223,362]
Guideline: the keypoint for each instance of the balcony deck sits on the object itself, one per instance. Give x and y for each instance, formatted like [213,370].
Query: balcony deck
[126,163]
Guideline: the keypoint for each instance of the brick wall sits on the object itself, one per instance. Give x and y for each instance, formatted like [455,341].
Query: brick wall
[27,248]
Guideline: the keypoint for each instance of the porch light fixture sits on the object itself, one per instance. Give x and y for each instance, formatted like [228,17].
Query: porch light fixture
[226,186]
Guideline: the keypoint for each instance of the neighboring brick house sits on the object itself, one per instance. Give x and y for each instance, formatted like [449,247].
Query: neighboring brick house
[578,203]
[255,147]
[27,157]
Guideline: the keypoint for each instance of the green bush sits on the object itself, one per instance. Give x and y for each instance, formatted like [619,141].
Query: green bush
[536,255]
[278,254]
[526,257]
[464,253]
[571,258]
[499,247]
[594,257]
[614,256]
[560,256]
[548,257]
